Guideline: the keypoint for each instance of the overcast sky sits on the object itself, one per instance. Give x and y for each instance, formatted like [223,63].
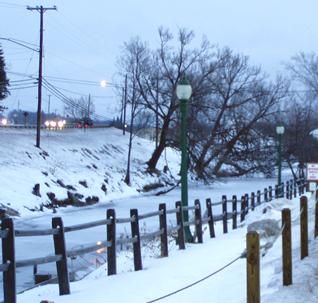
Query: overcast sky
[82,38]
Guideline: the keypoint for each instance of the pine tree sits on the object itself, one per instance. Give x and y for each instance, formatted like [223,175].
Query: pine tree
[4,81]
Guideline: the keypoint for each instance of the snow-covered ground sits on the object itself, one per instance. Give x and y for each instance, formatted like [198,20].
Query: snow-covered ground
[161,276]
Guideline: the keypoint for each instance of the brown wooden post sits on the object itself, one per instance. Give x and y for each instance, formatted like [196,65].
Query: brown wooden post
[163,227]
[265,194]
[258,197]
[180,240]
[299,186]
[287,189]
[234,212]
[316,219]
[243,206]
[224,213]
[8,257]
[247,203]
[276,191]
[198,220]
[210,217]
[135,234]
[60,249]
[111,237]
[270,193]
[303,227]
[253,267]
[295,188]
[290,189]
[287,247]
[253,200]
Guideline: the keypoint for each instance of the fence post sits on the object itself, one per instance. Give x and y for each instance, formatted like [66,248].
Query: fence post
[290,189]
[287,247]
[8,257]
[242,208]
[276,191]
[163,228]
[287,189]
[224,213]
[234,212]
[180,225]
[210,217]
[60,249]
[258,197]
[303,227]
[247,203]
[282,190]
[135,234]
[295,188]
[253,200]
[111,237]
[253,270]
[299,186]
[198,220]
[265,195]
[316,214]
[270,193]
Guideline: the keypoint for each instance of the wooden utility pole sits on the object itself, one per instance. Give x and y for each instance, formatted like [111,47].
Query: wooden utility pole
[125,106]
[41,10]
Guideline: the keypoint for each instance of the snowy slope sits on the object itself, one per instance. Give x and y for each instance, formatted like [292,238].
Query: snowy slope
[95,158]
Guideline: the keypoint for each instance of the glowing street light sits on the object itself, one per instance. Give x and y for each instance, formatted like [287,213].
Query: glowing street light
[103,83]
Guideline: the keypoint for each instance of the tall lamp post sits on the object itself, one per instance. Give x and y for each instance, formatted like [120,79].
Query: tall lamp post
[279,131]
[183,92]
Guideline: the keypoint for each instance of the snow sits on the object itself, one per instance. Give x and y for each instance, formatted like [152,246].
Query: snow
[161,276]
[72,155]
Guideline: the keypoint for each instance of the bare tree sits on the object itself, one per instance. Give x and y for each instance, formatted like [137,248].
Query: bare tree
[80,108]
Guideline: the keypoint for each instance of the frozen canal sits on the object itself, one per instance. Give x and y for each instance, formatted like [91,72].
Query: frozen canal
[31,247]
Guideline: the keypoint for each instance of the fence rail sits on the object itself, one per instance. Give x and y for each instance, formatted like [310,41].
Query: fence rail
[247,202]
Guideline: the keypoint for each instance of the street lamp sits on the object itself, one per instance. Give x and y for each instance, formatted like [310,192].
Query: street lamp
[183,93]
[279,131]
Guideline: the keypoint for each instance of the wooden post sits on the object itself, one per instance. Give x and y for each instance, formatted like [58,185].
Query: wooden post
[303,227]
[60,249]
[135,234]
[224,213]
[290,189]
[111,237]
[210,217]
[163,227]
[270,193]
[316,214]
[287,189]
[8,257]
[287,247]
[253,200]
[180,240]
[253,267]
[295,188]
[243,208]
[258,197]
[265,195]
[198,220]
[234,212]
[247,203]
[299,186]
[276,191]
[282,190]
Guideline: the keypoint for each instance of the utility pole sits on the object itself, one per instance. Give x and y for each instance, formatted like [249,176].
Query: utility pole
[41,10]
[89,106]
[48,106]
[125,105]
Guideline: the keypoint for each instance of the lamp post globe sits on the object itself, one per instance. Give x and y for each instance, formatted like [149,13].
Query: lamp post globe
[183,92]
[279,131]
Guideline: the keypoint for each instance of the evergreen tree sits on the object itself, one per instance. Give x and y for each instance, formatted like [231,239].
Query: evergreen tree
[4,81]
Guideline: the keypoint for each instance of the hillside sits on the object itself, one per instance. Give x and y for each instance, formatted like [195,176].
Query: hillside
[73,167]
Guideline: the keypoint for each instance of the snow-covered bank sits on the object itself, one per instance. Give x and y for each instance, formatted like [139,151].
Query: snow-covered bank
[89,163]
[161,276]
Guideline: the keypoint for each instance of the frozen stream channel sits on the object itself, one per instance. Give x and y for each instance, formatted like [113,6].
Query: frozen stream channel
[31,247]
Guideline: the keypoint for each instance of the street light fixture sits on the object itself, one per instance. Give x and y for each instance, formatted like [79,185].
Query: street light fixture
[183,92]
[279,131]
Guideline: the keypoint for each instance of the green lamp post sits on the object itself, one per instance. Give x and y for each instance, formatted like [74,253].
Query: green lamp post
[279,131]
[183,92]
